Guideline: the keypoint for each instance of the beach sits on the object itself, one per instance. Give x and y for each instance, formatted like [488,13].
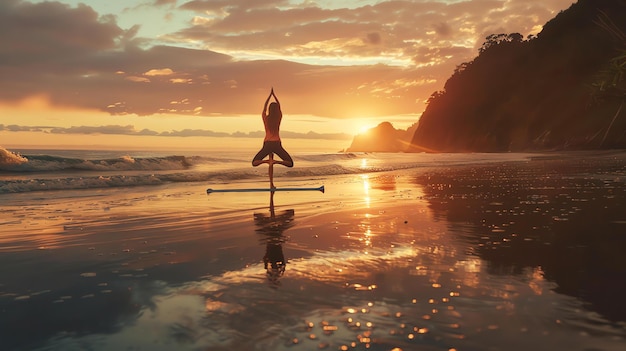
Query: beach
[400,252]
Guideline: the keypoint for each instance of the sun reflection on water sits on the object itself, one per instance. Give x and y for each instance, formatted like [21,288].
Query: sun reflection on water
[536,280]
[366,190]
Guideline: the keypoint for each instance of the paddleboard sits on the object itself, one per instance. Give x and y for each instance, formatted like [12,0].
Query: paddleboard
[251,190]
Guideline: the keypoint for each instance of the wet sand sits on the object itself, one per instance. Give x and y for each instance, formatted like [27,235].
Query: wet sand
[501,256]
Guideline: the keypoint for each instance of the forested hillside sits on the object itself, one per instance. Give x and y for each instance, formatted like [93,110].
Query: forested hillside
[563,89]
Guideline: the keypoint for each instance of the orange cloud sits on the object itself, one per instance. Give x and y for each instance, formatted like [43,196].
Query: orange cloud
[138,79]
[159,72]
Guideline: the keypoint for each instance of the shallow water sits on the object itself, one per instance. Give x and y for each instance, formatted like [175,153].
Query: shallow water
[507,256]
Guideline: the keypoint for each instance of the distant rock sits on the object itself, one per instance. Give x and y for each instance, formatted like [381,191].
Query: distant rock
[383,138]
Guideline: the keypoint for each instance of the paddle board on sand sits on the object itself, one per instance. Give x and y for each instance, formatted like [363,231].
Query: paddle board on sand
[251,190]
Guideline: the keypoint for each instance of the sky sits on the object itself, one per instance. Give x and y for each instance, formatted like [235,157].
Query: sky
[176,73]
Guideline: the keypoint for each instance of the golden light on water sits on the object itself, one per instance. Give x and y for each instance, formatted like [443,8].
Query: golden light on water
[367,237]
[366,187]
[536,280]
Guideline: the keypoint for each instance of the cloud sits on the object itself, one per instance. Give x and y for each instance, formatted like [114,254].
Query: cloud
[16,128]
[131,130]
[373,38]
[110,129]
[358,60]
[387,29]
[165,2]
[443,29]
[182,81]
[220,5]
[51,31]
[137,79]
[195,132]
[159,72]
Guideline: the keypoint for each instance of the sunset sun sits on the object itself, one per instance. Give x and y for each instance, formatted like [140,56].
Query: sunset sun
[364,128]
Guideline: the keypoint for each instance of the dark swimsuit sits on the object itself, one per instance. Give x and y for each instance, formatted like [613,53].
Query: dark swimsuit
[274,147]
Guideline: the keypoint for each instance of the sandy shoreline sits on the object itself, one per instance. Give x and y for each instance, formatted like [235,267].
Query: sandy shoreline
[501,255]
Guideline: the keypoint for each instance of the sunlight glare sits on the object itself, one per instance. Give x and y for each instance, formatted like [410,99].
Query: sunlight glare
[363,129]
[366,189]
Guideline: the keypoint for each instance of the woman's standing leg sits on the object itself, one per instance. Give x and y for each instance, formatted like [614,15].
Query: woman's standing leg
[271,170]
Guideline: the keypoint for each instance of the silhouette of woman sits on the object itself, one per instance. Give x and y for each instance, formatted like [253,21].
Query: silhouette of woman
[272,144]
[272,228]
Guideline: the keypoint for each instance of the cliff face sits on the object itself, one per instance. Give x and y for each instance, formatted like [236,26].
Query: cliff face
[561,89]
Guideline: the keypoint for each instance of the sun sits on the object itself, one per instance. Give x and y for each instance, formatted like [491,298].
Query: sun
[359,126]
[364,128]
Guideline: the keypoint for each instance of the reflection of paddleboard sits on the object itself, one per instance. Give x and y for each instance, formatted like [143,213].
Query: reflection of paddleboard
[250,190]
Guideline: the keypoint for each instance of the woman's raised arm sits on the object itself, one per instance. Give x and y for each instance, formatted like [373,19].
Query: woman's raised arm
[267,101]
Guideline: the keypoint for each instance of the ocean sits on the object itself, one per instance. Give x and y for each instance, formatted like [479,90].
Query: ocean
[125,250]
[48,170]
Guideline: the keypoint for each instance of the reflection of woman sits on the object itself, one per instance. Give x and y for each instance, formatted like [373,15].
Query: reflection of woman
[272,144]
[274,260]
[272,228]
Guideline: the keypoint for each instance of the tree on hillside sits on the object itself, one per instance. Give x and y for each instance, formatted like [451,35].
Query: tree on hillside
[498,39]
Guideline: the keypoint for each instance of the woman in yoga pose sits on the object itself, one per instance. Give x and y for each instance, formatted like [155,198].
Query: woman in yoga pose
[272,117]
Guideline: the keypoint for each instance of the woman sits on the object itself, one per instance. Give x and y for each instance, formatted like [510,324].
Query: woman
[271,143]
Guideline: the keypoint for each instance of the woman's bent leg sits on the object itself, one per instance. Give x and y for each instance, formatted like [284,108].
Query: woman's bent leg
[284,155]
[258,158]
